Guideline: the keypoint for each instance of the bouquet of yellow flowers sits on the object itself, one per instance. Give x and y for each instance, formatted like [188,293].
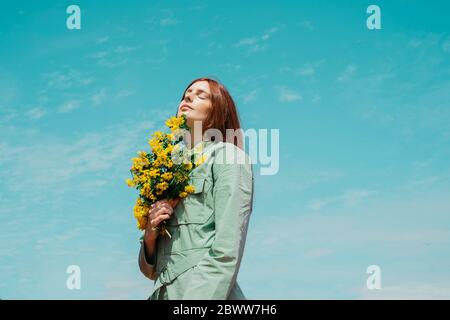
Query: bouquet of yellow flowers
[164,172]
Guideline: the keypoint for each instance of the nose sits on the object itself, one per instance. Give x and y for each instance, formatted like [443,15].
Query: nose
[187,98]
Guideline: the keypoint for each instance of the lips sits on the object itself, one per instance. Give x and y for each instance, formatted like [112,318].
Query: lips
[185,107]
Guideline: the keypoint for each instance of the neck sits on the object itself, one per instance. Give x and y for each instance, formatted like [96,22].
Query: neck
[195,134]
[192,139]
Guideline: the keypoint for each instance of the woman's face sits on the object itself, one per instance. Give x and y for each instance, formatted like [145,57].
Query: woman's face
[196,102]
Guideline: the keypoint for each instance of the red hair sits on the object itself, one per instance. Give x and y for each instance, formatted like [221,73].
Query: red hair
[223,114]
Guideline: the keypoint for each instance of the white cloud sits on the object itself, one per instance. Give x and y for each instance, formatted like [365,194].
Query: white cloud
[64,79]
[348,73]
[428,40]
[287,95]
[250,96]
[352,197]
[386,228]
[268,33]
[317,204]
[231,67]
[99,98]
[166,19]
[86,81]
[124,93]
[169,21]
[208,32]
[348,198]
[54,165]
[7,114]
[307,25]
[102,40]
[257,43]
[112,63]
[307,71]
[414,43]
[247,42]
[409,291]
[113,58]
[123,50]
[424,181]
[99,55]
[35,113]
[69,106]
[377,115]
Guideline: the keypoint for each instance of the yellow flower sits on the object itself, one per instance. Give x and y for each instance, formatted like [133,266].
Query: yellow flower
[174,123]
[161,155]
[130,182]
[153,173]
[157,174]
[142,154]
[140,162]
[178,177]
[141,214]
[188,165]
[146,190]
[169,149]
[155,145]
[158,135]
[162,186]
[167,176]
[142,223]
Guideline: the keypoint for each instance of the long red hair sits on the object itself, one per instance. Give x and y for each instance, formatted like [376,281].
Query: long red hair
[223,114]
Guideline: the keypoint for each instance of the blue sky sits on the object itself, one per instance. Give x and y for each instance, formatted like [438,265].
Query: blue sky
[364,120]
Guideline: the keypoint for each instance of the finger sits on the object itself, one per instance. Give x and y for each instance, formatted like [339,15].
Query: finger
[157,207]
[157,212]
[154,205]
[166,206]
[165,203]
[163,210]
[157,204]
[155,222]
[152,213]
[162,204]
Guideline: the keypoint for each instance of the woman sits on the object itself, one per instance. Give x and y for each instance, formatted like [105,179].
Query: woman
[208,229]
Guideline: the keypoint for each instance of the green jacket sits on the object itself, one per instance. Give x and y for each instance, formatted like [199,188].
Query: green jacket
[208,228]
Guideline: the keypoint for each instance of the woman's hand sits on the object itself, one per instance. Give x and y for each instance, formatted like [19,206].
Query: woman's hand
[159,211]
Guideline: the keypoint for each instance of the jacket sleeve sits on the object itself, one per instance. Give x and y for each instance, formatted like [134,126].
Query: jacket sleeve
[215,275]
[146,264]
